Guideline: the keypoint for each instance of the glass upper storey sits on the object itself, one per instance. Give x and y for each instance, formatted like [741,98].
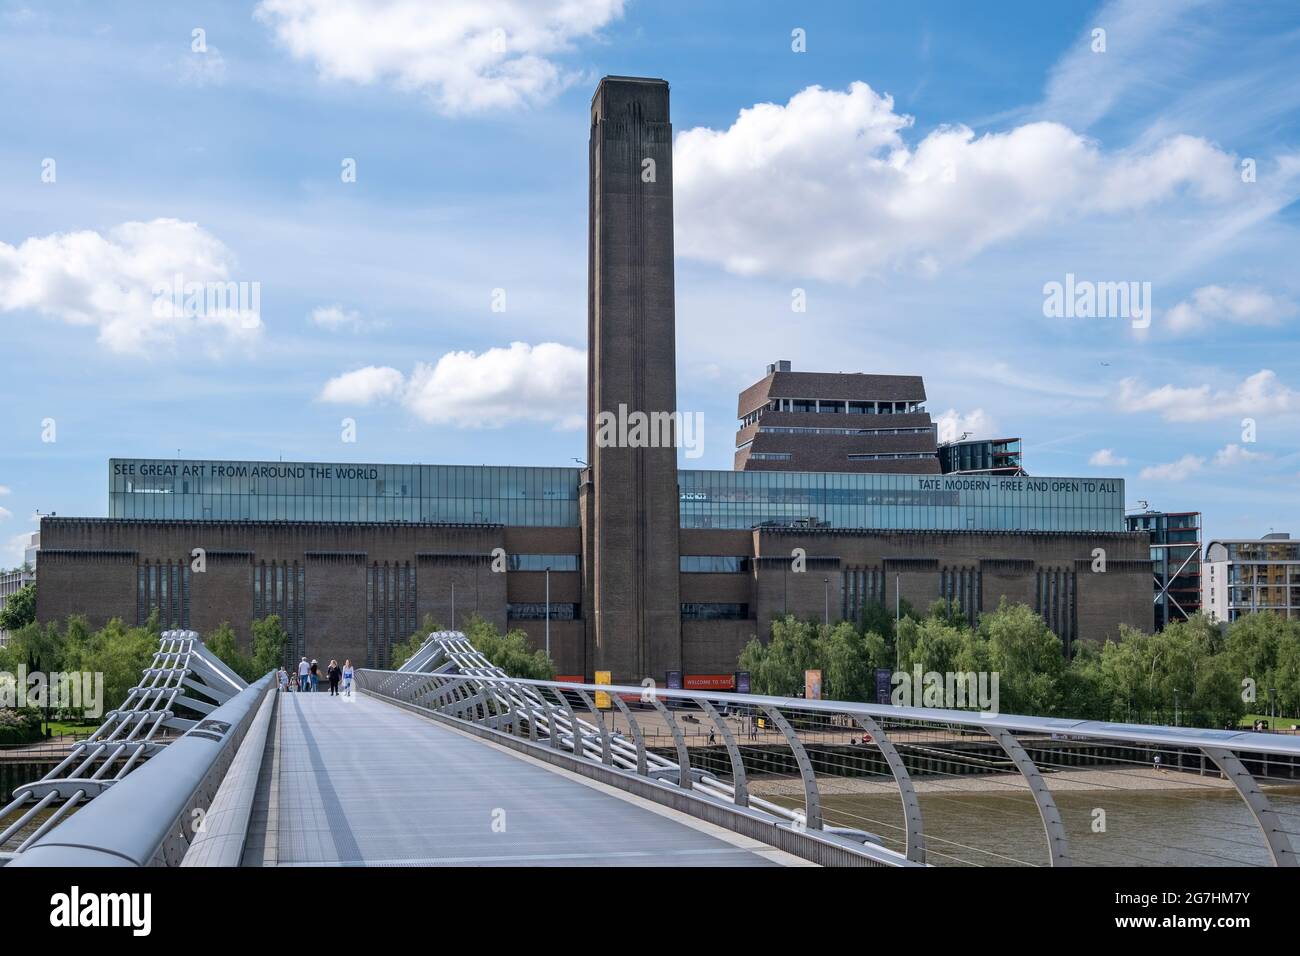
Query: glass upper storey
[744,499]
[313,491]
[519,496]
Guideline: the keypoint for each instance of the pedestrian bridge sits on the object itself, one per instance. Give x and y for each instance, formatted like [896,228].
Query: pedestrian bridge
[448,761]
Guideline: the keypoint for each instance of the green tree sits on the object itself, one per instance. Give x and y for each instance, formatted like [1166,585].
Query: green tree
[403,651]
[1026,656]
[509,651]
[269,641]
[121,654]
[19,608]
[223,643]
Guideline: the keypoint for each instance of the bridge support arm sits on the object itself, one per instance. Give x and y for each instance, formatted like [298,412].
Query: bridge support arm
[911,805]
[1279,844]
[1057,845]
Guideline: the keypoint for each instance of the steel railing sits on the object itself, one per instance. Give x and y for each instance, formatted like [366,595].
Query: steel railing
[828,766]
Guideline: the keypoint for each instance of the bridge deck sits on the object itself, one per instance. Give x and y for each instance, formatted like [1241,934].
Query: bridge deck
[364,783]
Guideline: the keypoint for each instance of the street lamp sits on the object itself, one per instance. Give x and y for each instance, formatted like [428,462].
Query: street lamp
[453,605]
[548,612]
[826,601]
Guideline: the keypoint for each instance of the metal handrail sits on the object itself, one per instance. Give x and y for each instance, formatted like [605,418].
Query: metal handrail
[448,675]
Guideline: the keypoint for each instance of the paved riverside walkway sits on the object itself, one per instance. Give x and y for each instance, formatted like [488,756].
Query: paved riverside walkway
[361,782]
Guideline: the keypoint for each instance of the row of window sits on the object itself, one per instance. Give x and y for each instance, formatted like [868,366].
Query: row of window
[889,456]
[390,610]
[536,611]
[281,588]
[814,430]
[714,611]
[544,562]
[838,407]
[713,563]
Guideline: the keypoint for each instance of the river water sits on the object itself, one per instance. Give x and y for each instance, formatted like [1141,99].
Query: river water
[1194,827]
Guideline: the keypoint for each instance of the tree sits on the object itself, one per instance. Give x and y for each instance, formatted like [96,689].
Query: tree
[1026,656]
[510,651]
[269,640]
[223,643]
[403,651]
[19,608]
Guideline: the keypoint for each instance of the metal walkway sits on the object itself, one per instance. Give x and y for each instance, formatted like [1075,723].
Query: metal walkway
[362,782]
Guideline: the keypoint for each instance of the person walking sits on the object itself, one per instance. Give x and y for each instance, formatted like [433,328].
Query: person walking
[282,678]
[304,671]
[334,674]
[315,675]
[348,673]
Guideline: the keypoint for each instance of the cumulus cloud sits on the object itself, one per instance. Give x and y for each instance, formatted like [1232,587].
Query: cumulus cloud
[122,283]
[952,424]
[826,186]
[523,383]
[1258,394]
[1219,305]
[466,55]
[1105,458]
[5,513]
[1178,470]
[1230,455]
[364,386]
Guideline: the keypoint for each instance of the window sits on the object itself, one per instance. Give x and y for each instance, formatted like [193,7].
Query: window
[715,612]
[713,564]
[536,611]
[540,562]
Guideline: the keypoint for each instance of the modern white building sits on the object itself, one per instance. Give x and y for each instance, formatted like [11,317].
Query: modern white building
[1243,575]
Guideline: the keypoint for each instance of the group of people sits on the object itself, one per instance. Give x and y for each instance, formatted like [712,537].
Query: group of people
[309,677]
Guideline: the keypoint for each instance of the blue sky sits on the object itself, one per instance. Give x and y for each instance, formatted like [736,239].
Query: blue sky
[920,171]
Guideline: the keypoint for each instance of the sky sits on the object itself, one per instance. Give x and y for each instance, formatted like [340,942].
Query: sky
[399,187]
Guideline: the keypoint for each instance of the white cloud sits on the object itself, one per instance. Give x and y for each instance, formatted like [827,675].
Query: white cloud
[109,282]
[364,386]
[5,513]
[335,317]
[534,383]
[1258,394]
[952,424]
[826,186]
[5,490]
[466,55]
[1175,470]
[1233,454]
[1105,458]
[15,550]
[1217,305]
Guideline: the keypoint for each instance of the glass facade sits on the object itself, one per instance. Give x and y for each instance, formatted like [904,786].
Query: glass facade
[745,499]
[1175,562]
[296,491]
[548,497]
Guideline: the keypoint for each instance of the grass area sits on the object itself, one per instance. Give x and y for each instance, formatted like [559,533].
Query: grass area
[1276,723]
[59,728]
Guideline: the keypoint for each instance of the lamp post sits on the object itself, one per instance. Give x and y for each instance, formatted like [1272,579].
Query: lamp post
[898,653]
[453,605]
[548,612]
[826,602]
